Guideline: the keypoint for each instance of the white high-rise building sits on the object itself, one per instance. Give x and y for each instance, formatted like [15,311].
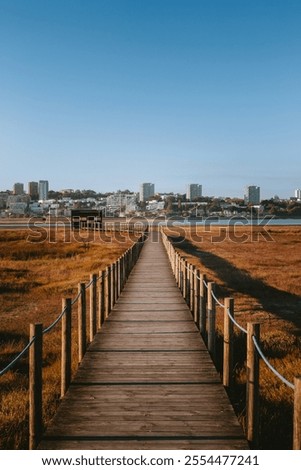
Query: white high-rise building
[193,191]
[252,195]
[43,190]
[147,190]
[298,194]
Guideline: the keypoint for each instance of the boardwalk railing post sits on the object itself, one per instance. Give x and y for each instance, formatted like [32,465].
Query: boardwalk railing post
[35,385]
[93,305]
[187,287]
[118,277]
[211,319]
[107,291]
[252,405]
[66,347]
[228,343]
[112,286]
[101,299]
[297,414]
[82,321]
[181,273]
[196,302]
[191,281]
[203,306]
[178,269]
[185,282]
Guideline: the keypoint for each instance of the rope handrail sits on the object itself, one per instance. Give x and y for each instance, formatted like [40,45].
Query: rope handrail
[286,382]
[283,379]
[13,362]
[50,327]
[235,322]
[216,300]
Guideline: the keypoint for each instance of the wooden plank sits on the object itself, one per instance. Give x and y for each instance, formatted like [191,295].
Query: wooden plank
[144,444]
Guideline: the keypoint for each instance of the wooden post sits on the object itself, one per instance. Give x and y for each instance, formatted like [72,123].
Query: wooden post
[93,305]
[184,270]
[113,279]
[191,286]
[177,270]
[82,322]
[252,405]
[126,265]
[118,278]
[107,292]
[121,262]
[228,343]
[211,319]
[35,385]
[123,268]
[66,347]
[203,306]
[297,414]
[101,299]
[181,280]
[187,296]
[196,289]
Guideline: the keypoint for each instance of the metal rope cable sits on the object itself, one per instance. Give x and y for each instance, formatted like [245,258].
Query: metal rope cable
[6,369]
[76,298]
[45,331]
[216,300]
[49,328]
[269,365]
[286,382]
[235,322]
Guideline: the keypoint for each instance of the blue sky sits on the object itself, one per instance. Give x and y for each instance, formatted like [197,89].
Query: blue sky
[106,94]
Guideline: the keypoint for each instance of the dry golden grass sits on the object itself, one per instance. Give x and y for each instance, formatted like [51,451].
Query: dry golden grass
[36,273]
[260,269]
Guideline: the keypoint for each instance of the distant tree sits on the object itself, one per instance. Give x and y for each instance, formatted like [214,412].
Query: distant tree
[54,194]
[295,210]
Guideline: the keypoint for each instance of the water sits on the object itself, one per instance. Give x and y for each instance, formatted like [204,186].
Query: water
[220,221]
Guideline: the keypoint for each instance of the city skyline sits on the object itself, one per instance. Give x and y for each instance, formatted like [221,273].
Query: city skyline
[249,192]
[104,95]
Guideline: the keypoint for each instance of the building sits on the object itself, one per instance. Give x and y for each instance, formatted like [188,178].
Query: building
[193,191]
[121,203]
[43,190]
[33,190]
[147,191]
[3,199]
[252,195]
[17,204]
[18,189]
[298,194]
[86,219]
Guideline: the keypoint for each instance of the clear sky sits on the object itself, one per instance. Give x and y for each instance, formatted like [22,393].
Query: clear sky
[106,94]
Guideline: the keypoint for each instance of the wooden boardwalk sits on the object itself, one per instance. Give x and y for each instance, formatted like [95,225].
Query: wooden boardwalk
[147,380]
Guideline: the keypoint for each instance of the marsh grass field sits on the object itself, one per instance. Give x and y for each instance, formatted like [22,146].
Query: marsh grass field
[34,277]
[260,269]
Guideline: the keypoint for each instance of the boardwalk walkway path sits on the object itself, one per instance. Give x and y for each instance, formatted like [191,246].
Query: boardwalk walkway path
[147,380]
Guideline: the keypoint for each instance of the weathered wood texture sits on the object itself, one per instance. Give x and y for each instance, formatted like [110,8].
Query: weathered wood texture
[147,381]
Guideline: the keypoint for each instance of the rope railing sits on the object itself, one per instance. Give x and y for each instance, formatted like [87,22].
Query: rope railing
[108,285]
[17,358]
[235,322]
[45,331]
[286,382]
[201,298]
